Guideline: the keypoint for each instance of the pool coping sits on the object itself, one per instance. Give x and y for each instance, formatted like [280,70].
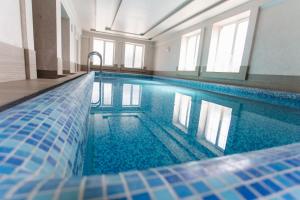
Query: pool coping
[28,89]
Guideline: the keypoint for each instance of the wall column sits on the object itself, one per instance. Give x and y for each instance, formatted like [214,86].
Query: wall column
[47,37]
[65,36]
[27,37]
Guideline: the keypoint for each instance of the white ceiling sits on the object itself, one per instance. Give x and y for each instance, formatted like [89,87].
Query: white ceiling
[139,18]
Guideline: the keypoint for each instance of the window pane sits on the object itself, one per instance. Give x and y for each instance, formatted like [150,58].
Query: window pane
[212,123]
[136,95]
[98,46]
[239,46]
[226,119]
[109,53]
[184,111]
[189,52]
[138,59]
[126,95]
[129,55]
[225,46]
[107,94]
[96,93]
[181,112]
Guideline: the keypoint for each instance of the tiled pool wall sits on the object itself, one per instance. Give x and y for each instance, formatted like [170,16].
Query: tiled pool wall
[42,143]
[269,174]
[289,99]
[45,136]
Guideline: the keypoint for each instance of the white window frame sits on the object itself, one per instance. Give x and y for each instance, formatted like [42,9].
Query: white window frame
[244,68]
[143,55]
[131,105]
[102,95]
[104,46]
[182,67]
[96,96]
[219,29]
[203,133]
[177,112]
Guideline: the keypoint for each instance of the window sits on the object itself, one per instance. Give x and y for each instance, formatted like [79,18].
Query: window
[181,113]
[106,48]
[227,44]
[214,123]
[131,95]
[106,94]
[134,56]
[96,93]
[189,51]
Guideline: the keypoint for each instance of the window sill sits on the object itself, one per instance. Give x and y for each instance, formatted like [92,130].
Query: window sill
[188,74]
[226,75]
[131,68]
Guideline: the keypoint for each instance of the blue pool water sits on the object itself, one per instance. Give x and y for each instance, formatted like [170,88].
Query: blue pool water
[140,123]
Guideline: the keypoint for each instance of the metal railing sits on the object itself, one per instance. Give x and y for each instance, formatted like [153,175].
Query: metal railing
[90,55]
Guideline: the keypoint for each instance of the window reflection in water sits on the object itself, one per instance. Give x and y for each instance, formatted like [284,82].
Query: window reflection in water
[131,95]
[214,124]
[106,94]
[96,93]
[181,113]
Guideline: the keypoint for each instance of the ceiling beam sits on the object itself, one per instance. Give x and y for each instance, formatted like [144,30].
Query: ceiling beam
[124,32]
[116,13]
[177,9]
[119,35]
[189,18]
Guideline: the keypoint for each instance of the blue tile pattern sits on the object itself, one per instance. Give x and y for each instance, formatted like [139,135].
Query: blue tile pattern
[41,149]
[227,183]
[45,136]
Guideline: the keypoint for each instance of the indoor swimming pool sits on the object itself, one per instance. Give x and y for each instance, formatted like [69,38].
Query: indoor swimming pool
[137,123]
[121,136]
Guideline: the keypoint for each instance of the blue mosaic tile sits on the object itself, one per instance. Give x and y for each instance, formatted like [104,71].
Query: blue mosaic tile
[246,192]
[142,196]
[163,194]
[200,187]
[155,182]
[273,186]
[115,189]
[182,191]
[92,193]
[260,189]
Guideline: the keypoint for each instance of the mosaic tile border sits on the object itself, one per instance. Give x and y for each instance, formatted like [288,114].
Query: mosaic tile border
[268,174]
[288,99]
[45,136]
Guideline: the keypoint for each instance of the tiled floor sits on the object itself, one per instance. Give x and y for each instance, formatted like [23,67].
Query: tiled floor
[14,91]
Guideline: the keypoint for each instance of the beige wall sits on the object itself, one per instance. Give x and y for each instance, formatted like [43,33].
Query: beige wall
[10,23]
[65,32]
[12,58]
[276,48]
[87,46]
[17,47]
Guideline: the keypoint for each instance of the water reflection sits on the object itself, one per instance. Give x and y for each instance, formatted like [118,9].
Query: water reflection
[182,110]
[214,124]
[131,95]
[106,94]
[191,125]
[96,93]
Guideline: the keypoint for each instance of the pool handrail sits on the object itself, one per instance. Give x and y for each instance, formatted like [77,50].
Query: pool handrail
[94,53]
